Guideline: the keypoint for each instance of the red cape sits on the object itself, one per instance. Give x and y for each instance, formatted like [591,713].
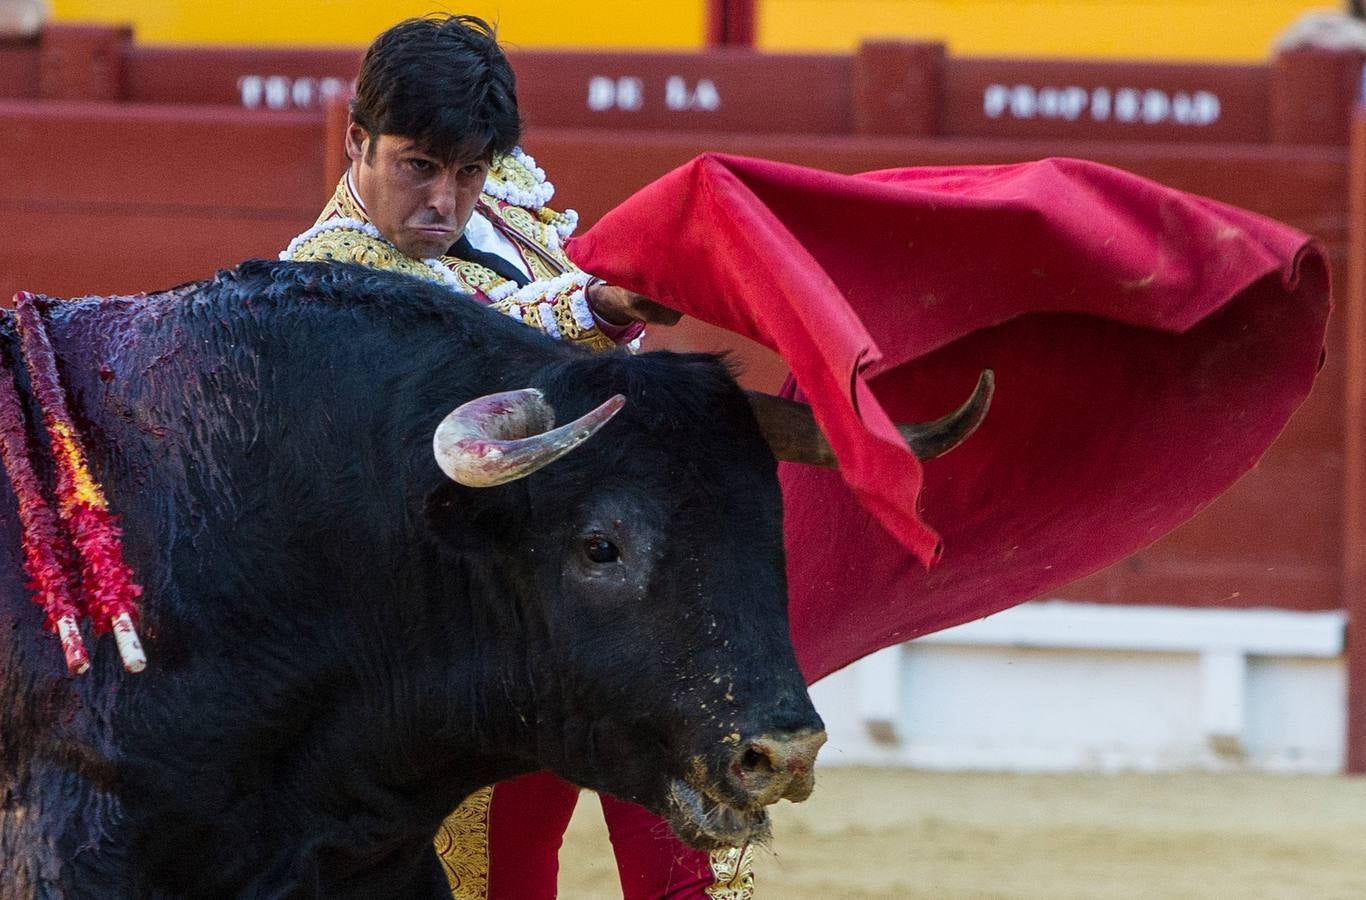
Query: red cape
[1148,346]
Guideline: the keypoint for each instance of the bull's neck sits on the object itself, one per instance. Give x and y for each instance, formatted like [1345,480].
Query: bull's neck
[346,769]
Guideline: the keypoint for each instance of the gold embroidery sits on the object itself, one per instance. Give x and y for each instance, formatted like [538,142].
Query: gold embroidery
[553,218]
[342,205]
[474,278]
[462,842]
[734,873]
[348,245]
[508,171]
[520,219]
[592,338]
[530,230]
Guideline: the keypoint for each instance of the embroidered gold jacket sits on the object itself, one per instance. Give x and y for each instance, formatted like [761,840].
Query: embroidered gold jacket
[514,203]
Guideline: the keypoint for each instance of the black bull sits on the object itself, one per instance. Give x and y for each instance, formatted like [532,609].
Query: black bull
[343,642]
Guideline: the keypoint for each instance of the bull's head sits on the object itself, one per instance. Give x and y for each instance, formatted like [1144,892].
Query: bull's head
[655,603]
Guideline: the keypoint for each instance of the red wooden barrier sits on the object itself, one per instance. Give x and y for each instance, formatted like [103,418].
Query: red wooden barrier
[18,68]
[106,198]
[83,62]
[1107,100]
[1353,319]
[1313,95]
[885,88]
[255,79]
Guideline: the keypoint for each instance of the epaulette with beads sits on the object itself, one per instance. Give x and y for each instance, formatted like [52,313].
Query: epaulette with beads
[515,179]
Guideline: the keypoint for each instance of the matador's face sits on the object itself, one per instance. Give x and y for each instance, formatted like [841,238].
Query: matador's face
[419,202]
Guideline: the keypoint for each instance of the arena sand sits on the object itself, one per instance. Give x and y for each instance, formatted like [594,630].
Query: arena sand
[886,835]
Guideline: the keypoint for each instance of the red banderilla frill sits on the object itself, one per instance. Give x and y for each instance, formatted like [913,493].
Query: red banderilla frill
[90,532]
[46,552]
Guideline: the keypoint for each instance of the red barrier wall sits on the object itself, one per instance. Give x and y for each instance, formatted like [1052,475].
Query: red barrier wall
[885,88]
[1353,322]
[111,198]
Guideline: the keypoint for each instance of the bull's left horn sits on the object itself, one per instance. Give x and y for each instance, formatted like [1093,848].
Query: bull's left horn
[793,436]
[501,437]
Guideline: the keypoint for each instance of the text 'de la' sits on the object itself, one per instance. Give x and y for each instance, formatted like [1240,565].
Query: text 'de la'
[631,93]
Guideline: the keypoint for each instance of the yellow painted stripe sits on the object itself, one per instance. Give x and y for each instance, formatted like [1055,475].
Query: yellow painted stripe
[1216,30]
[657,24]
[1222,30]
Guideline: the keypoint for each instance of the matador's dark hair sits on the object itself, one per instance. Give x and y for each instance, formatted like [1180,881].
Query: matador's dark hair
[442,81]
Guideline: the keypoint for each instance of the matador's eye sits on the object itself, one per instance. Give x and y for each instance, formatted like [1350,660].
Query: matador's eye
[600,550]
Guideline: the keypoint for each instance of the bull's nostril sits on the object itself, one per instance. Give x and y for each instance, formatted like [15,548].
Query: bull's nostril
[756,761]
[773,767]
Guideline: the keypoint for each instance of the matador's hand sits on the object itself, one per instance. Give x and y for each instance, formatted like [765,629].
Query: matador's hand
[622,307]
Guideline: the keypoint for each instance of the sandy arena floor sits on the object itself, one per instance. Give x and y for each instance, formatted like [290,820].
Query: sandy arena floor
[869,834]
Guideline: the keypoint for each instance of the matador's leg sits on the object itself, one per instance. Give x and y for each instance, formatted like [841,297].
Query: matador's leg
[655,865]
[503,842]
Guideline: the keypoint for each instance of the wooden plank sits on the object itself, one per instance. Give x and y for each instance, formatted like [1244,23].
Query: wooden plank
[595,170]
[91,155]
[1353,314]
[717,90]
[888,87]
[82,62]
[1313,93]
[72,252]
[99,197]
[18,69]
[898,88]
[253,78]
[1088,100]
[731,23]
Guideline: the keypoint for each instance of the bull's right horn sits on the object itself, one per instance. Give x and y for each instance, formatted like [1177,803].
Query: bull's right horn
[792,434]
[501,437]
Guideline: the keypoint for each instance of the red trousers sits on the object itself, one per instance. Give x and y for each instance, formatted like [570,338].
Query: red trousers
[527,820]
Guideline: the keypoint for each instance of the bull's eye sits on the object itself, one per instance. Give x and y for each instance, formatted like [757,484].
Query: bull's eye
[599,549]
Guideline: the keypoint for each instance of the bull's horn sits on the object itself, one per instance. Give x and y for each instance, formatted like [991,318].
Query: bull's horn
[793,436]
[501,437]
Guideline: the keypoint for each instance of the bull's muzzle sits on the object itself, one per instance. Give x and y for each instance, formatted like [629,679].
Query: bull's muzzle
[711,812]
[776,767]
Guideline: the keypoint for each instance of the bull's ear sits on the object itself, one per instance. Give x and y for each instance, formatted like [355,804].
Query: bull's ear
[475,520]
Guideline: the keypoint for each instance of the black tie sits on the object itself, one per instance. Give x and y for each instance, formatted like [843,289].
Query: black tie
[466,251]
